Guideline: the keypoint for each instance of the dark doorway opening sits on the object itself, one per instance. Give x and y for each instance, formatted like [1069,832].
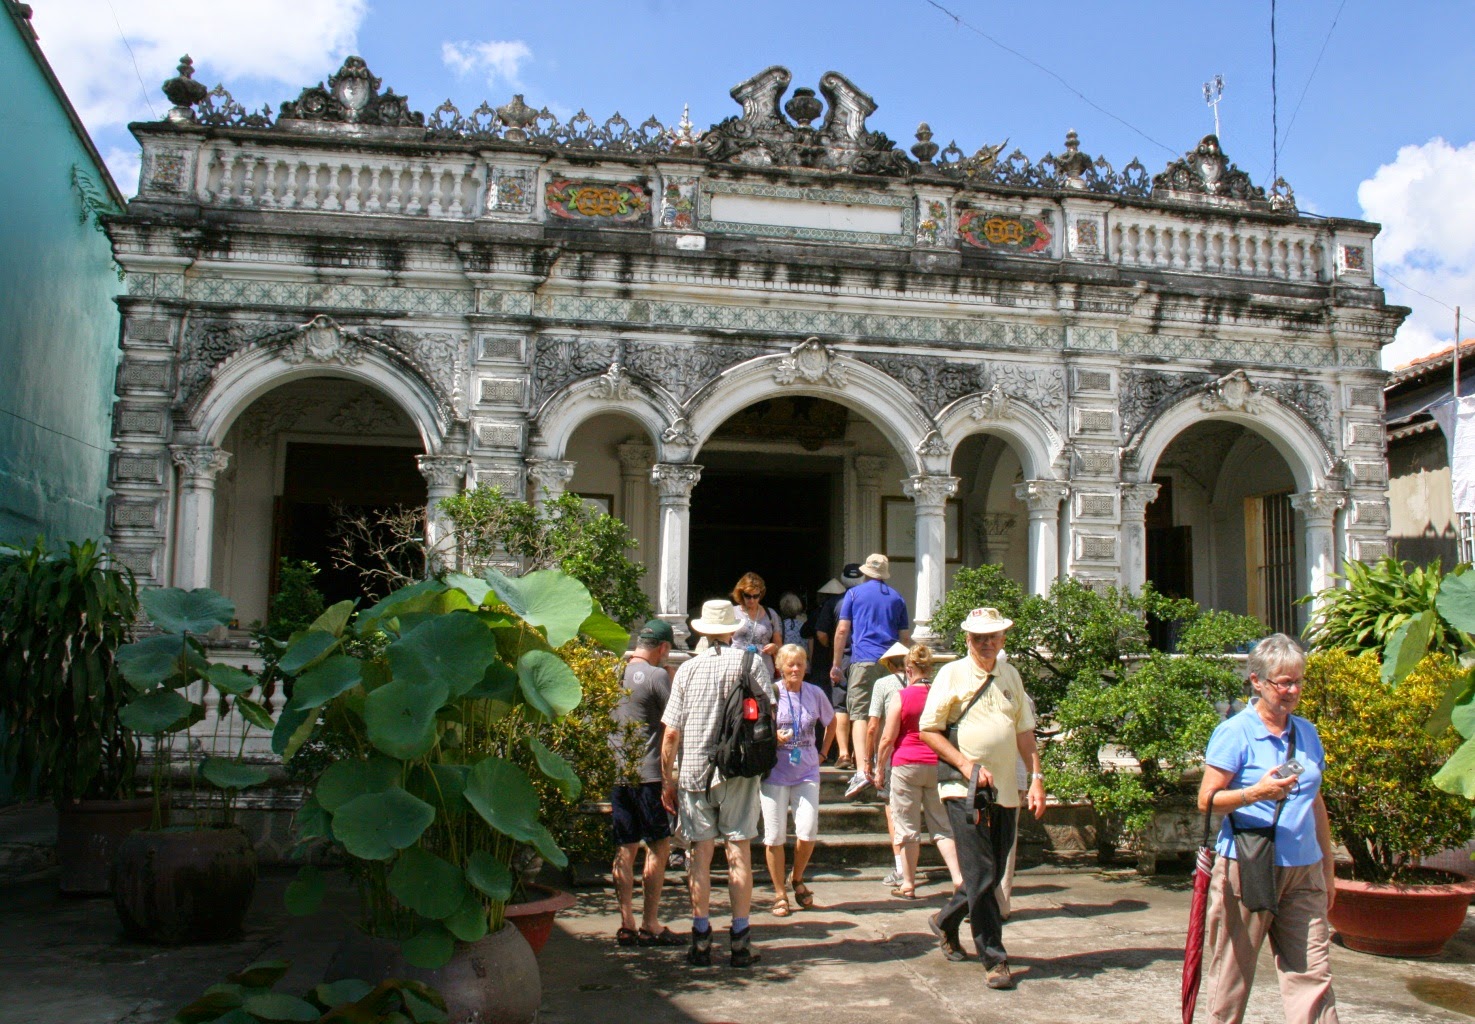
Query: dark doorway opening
[323,480]
[1169,561]
[774,524]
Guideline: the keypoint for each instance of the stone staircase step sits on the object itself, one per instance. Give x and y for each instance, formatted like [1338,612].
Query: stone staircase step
[845,818]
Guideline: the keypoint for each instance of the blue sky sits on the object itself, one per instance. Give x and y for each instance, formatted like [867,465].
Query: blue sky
[1382,129]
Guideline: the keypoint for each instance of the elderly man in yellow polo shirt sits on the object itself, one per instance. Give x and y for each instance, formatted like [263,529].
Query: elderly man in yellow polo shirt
[978,720]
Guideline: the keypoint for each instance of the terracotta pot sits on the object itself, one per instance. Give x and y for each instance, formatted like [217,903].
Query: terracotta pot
[534,918]
[1399,920]
[88,833]
[193,885]
[492,981]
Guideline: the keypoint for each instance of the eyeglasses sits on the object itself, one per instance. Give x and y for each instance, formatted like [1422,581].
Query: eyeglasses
[751,597]
[1286,686]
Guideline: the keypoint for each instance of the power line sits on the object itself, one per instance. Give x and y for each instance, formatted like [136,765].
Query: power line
[53,430]
[1274,102]
[1036,64]
[1408,287]
[1307,87]
[141,87]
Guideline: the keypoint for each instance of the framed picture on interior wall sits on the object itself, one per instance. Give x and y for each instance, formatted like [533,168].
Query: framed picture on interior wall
[604,503]
[899,529]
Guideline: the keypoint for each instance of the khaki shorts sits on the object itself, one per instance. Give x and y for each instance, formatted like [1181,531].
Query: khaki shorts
[730,809]
[863,676]
[915,804]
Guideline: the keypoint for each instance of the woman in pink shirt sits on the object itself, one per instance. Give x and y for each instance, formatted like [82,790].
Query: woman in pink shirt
[914,799]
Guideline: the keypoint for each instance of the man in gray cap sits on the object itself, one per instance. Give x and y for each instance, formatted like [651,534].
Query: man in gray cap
[635,805]
[708,807]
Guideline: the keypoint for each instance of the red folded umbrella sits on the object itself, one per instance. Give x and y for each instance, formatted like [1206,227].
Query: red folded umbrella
[1198,912]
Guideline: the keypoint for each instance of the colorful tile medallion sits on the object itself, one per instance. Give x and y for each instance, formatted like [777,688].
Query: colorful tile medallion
[1023,236]
[678,210]
[608,202]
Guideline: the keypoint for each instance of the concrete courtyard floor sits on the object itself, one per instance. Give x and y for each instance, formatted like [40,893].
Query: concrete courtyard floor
[1087,946]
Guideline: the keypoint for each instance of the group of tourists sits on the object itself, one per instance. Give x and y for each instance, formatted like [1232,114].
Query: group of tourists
[952,749]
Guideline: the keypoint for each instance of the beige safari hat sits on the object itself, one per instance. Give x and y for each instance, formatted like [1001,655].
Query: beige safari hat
[877,567]
[986,620]
[718,617]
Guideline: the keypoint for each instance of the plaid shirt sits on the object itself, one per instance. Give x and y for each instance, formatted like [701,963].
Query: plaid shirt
[698,692]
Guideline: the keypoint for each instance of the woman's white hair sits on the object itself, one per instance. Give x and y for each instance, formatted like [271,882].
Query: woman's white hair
[1276,655]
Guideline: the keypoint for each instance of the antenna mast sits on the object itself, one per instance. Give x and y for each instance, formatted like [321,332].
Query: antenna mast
[1213,93]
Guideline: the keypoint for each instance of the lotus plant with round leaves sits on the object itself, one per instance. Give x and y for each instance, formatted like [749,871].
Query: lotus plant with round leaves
[434,805]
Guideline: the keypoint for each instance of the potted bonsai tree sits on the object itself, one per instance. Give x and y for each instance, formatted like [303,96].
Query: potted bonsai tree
[192,882]
[63,617]
[1383,805]
[437,693]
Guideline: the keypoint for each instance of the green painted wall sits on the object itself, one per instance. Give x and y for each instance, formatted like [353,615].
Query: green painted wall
[58,321]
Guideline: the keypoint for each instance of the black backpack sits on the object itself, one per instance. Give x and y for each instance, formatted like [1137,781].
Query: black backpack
[745,747]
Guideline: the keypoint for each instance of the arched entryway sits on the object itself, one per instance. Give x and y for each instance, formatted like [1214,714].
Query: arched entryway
[988,520]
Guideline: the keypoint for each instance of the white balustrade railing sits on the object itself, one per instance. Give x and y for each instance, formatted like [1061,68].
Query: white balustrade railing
[445,188]
[1228,246]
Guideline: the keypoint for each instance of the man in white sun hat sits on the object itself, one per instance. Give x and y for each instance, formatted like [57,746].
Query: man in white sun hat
[706,806]
[978,720]
[873,616]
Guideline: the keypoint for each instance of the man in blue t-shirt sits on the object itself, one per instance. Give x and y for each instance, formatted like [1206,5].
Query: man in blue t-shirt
[873,616]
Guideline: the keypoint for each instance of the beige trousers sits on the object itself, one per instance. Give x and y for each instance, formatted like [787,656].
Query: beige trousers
[1299,937]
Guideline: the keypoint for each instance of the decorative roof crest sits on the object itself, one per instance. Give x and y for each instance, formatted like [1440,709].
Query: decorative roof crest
[1206,171]
[352,97]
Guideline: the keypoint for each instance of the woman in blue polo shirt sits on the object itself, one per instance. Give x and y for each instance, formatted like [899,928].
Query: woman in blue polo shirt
[1240,782]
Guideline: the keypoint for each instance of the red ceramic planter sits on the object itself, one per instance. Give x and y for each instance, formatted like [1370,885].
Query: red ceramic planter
[534,918]
[1399,920]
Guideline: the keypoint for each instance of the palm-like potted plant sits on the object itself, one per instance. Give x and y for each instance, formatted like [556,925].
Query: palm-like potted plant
[63,617]
[190,882]
[439,691]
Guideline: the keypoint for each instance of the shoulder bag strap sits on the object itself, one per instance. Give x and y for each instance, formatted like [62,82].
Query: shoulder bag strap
[1209,816]
[1280,805]
[973,700]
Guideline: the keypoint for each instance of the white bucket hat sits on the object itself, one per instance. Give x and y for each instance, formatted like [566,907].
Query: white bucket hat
[833,587]
[986,620]
[877,567]
[718,617]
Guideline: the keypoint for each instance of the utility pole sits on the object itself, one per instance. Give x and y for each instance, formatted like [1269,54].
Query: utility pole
[1213,93]
[1456,391]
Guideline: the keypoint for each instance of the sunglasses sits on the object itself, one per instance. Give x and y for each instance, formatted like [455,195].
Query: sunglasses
[751,597]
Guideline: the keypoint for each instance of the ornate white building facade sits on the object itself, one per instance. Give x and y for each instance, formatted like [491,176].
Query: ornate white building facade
[1053,366]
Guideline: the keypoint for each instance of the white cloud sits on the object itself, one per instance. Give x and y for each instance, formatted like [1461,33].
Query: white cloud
[1427,243]
[294,42]
[499,60]
[124,165]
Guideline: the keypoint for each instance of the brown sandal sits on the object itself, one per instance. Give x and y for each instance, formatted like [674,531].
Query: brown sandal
[803,896]
[781,907]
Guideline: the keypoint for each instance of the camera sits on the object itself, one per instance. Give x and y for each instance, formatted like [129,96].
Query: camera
[1289,769]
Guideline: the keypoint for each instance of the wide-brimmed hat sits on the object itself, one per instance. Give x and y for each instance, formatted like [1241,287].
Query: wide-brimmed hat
[877,567]
[896,650]
[718,617]
[850,575]
[986,620]
[833,587]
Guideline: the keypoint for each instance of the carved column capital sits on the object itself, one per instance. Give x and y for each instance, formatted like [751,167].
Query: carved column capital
[550,475]
[930,490]
[675,480]
[1319,506]
[635,457]
[444,474]
[992,524]
[201,463]
[1136,498]
[868,469]
[1041,497]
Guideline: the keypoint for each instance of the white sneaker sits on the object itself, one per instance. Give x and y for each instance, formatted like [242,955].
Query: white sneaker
[858,783]
[892,880]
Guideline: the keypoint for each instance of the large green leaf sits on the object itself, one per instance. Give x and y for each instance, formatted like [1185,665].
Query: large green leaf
[1458,692]
[214,1005]
[548,684]
[1463,720]
[414,597]
[152,661]
[305,892]
[453,649]
[336,993]
[476,590]
[374,825]
[157,711]
[228,774]
[275,1006]
[324,681]
[431,949]
[557,769]
[261,974]
[498,684]
[469,921]
[401,717]
[605,631]
[428,885]
[1456,601]
[306,648]
[334,618]
[293,729]
[187,611]
[1407,647]
[1458,774]
[254,713]
[341,781]
[489,875]
[542,840]
[312,821]
[229,679]
[505,798]
[547,599]
[440,785]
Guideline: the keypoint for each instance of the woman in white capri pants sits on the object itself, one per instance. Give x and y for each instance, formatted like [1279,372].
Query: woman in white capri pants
[794,781]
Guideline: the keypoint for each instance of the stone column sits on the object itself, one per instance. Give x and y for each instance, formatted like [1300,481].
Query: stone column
[194,523]
[991,531]
[1135,499]
[635,462]
[929,495]
[550,478]
[868,503]
[1319,510]
[1043,498]
[675,481]
[444,475]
